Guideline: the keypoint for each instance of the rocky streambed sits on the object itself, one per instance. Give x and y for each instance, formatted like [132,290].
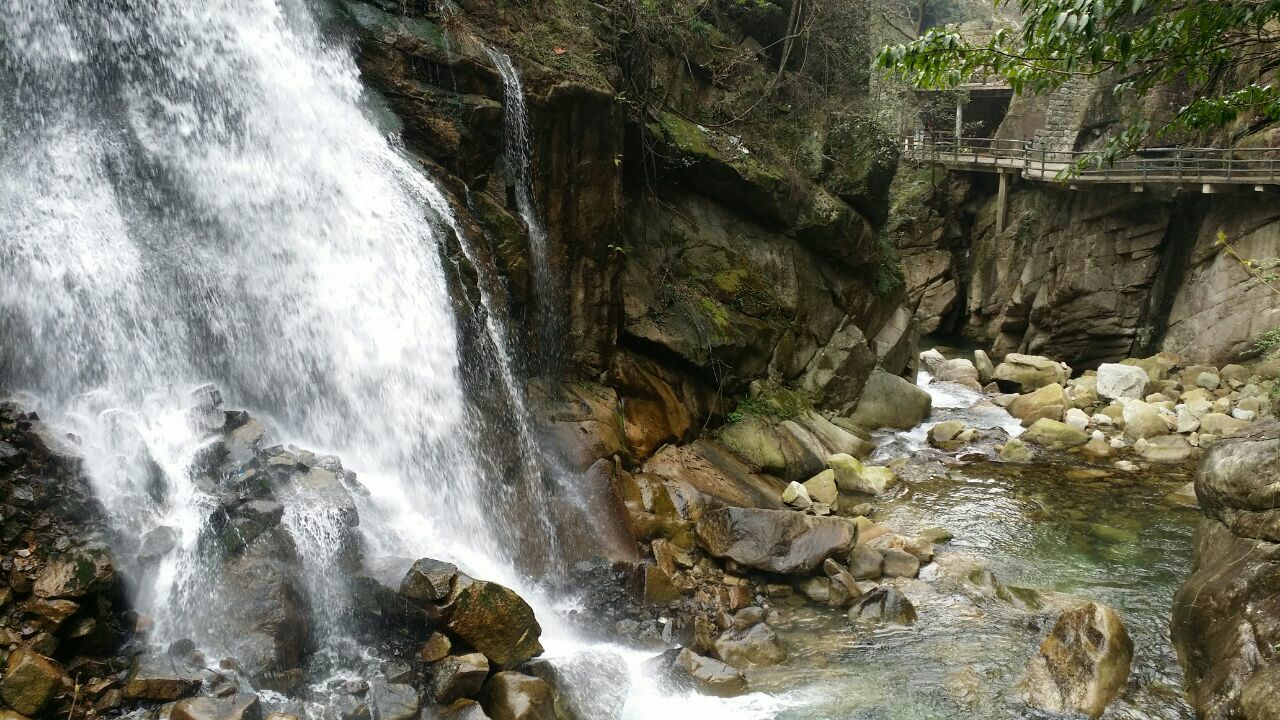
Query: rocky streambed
[960,560]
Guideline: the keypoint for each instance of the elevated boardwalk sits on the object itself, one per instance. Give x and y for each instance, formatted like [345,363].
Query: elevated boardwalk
[1211,169]
[1204,166]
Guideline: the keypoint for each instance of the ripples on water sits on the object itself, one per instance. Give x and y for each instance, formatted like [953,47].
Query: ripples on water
[1052,526]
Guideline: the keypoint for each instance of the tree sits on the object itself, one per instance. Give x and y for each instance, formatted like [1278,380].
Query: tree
[1145,43]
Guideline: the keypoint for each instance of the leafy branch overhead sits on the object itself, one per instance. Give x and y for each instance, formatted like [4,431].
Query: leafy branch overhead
[1142,44]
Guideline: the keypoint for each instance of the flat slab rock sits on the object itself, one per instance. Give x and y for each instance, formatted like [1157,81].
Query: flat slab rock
[779,541]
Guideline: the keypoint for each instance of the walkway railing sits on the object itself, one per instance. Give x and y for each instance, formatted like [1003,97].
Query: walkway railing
[1257,166]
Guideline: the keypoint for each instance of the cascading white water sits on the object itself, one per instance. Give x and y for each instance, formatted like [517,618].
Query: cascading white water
[194,193]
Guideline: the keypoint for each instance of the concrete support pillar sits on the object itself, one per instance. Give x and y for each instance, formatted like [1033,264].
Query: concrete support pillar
[1002,201]
[959,119]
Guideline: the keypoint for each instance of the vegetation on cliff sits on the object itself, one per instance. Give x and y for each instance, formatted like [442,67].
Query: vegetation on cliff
[1221,49]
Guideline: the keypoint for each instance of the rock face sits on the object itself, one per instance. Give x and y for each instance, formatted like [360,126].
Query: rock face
[1083,663]
[1090,277]
[778,541]
[1226,616]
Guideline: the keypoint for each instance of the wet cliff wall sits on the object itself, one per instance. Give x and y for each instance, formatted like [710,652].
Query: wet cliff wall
[688,260]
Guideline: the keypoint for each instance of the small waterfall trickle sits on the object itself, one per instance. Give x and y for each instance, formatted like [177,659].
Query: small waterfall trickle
[517,157]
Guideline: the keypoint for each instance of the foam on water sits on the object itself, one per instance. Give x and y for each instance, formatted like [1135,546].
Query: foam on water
[197,192]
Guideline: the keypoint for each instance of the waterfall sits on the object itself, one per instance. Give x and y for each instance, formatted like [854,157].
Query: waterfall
[196,193]
[516,157]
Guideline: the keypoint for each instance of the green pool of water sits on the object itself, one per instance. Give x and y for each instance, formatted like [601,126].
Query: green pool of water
[1046,526]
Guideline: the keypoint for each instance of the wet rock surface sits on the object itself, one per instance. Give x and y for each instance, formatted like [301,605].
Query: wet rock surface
[1083,663]
[1226,616]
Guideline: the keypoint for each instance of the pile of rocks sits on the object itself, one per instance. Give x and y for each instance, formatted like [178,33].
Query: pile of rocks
[447,645]
[1158,408]
[64,620]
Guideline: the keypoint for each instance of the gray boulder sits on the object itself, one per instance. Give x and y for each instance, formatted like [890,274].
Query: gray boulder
[1122,381]
[777,541]
[884,604]
[757,645]
[1024,373]
[891,401]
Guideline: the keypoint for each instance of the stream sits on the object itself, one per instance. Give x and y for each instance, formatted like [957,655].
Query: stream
[1052,526]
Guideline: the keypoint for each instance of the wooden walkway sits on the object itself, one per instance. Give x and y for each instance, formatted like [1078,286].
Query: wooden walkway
[1208,167]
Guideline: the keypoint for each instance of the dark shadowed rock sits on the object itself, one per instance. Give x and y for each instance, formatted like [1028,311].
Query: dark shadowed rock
[514,696]
[393,701]
[242,706]
[884,604]
[458,676]
[429,580]
[1083,663]
[777,541]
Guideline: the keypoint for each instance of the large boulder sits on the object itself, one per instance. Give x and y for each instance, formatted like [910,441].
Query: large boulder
[777,541]
[886,605]
[1238,480]
[1122,381]
[30,681]
[891,401]
[429,580]
[1035,402]
[514,696]
[161,677]
[1024,373]
[1054,434]
[1143,420]
[959,371]
[755,645]
[852,476]
[240,706]
[681,669]
[1226,616]
[1083,663]
[457,676]
[494,620]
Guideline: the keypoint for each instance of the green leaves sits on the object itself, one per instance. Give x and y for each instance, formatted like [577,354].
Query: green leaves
[1141,43]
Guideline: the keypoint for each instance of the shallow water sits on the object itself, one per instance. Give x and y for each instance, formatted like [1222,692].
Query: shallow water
[1051,525]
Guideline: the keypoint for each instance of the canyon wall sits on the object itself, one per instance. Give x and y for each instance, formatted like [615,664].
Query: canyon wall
[686,265]
[1086,272]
